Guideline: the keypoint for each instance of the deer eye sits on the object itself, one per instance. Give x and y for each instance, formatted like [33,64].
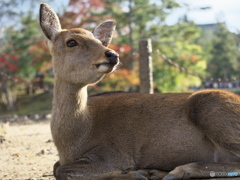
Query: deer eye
[72,43]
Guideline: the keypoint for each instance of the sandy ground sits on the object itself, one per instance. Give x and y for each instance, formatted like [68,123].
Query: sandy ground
[27,152]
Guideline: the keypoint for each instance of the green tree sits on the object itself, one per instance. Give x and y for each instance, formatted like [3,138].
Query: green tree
[178,43]
[136,19]
[19,42]
[16,38]
[223,62]
[147,19]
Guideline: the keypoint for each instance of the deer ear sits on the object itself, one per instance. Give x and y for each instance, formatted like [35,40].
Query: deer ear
[104,32]
[49,22]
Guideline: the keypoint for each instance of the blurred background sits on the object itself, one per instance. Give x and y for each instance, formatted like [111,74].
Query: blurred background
[195,45]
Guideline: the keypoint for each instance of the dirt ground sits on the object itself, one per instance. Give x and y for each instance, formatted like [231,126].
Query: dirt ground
[27,152]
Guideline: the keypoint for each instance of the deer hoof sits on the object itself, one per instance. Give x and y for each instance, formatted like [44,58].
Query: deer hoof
[157,174]
[56,165]
[67,172]
[136,175]
[170,177]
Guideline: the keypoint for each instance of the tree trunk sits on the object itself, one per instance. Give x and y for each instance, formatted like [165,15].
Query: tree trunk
[8,95]
[131,63]
[145,66]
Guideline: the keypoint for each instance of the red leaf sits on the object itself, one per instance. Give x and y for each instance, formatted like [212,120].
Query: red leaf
[15,58]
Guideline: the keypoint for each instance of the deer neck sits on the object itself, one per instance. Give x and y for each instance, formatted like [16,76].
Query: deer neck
[69,99]
[70,117]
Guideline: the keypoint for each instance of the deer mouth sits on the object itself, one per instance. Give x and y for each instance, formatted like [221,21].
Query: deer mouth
[107,67]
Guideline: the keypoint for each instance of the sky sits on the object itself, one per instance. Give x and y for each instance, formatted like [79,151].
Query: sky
[227,11]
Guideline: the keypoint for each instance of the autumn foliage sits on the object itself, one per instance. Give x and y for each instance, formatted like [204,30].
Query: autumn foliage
[79,14]
[7,61]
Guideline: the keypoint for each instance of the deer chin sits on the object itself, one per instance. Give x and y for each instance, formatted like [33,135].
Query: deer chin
[105,68]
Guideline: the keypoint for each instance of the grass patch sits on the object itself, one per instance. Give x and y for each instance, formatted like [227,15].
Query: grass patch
[33,104]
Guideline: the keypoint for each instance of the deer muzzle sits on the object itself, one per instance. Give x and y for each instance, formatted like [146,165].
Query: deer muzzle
[112,57]
[111,64]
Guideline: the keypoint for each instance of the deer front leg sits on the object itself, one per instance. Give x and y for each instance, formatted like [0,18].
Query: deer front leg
[86,172]
[56,165]
[156,174]
[205,170]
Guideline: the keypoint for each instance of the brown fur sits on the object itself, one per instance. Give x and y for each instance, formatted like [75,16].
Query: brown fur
[97,138]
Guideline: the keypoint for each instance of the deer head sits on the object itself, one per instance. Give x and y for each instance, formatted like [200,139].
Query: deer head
[79,56]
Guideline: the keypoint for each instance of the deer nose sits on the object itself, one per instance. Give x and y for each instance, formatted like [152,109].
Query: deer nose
[112,57]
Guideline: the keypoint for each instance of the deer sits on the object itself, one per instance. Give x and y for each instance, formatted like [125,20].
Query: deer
[122,135]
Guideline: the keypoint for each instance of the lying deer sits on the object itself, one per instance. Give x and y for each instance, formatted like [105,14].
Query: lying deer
[122,135]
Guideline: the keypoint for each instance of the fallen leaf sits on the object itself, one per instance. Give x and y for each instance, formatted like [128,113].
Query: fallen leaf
[16,154]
